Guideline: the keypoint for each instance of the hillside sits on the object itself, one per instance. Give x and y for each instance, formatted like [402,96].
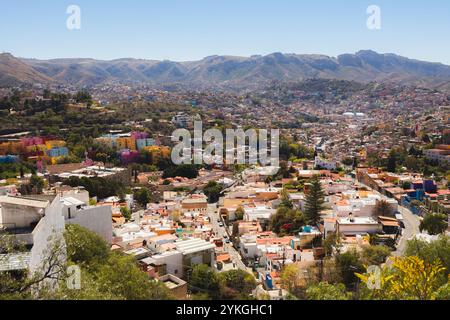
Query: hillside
[229,71]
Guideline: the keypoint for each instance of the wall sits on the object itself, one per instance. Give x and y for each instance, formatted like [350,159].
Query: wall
[47,233]
[96,219]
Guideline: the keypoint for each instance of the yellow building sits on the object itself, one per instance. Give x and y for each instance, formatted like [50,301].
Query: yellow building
[11,148]
[55,144]
[157,153]
[126,143]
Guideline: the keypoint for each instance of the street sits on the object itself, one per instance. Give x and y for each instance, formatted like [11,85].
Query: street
[410,220]
[220,232]
[412,223]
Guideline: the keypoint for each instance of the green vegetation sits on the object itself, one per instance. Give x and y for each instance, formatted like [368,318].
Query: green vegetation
[228,285]
[185,170]
[287,221]
[326,291]
[14,170]
[438,250]
[105,274]
[240,213]
[97,187]
[382,208]
[434,223]
[143,197]
[212,191]
[315,200]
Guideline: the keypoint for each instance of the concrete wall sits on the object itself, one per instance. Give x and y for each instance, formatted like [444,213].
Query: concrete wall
[97,219]
[47,233]
[173,262]
[16,216]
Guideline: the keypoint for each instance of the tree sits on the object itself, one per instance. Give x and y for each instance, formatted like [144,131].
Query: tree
[143,197]
[85,247]
[105,274]
[438,250]
[126,213]
[189,171]
[382,208]
[204,280]
[374,255]
[333,240]
[121,276]
[326,291]
[37,184]
[236,284]
[286,221]
[392,162]
[434,223]
[314,203]
[83,96]
[23,284]
[285,201]
[212,190]
[290,277]
[348,264]
[410,278]
[240,213]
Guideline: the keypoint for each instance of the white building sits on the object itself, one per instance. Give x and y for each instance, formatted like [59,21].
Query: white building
[97,219]
[37,224]
[325,164]
[357,225]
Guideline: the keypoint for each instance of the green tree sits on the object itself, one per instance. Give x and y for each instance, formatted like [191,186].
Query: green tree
[37,184]
[333,240]
[121,276]
[212,190]
[438,250]
[236,284]
[382,208]
[126,213]
[286,221]
[240,213]
[374,255]
[348,264]
[326,291]
[204,280]
[85,247]
[392,162]
[314,202]
[434,223]
[143,197]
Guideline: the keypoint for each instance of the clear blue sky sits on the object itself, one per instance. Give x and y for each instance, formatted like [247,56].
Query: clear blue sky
[192,29]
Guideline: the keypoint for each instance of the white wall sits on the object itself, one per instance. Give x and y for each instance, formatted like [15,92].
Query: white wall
[97,219]
[49,231]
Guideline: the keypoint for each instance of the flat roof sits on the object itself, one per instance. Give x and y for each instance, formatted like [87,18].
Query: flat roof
[69,201]
[357,220]
[193,245]
[24,202]
[16,261]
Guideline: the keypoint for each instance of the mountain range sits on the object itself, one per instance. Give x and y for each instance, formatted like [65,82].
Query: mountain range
[227,71]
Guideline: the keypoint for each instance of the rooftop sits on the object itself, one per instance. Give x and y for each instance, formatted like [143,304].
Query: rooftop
[24,202]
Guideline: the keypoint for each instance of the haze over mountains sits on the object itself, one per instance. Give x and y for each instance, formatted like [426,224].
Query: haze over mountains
[227,71]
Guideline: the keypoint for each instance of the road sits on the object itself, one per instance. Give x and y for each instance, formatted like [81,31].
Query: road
[220,232]
[412,223]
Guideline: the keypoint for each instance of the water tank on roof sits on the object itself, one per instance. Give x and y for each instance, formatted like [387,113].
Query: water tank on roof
[269,281]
